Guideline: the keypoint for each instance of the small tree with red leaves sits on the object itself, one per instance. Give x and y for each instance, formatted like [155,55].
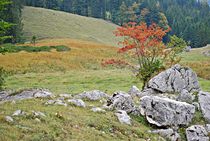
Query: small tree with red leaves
[144,44]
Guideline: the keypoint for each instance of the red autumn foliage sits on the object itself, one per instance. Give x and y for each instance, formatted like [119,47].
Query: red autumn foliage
[144,44]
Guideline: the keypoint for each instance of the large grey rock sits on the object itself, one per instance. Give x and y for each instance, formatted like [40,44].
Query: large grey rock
[92,95]
[169,134]
[121,101]
[197,133]
[134,91]
[174,80]
[166,112]
[26,94]
[77,102]
[123,117]
[206,53]
[204,101]
[185,96]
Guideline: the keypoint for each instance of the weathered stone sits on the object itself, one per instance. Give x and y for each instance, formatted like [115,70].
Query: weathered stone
[66,96]
[77,102]
[188,49]
[18,113]
[38,114]
[121,101]
[197,133]
[26,94]
[134,92]
[185,96]
[97,109]
[60,102]
[206,53]
[174,80]
[123,117]
[204,100]
[9,119]
[92,95]
[169,134]
[50,102]
[166,112]
[56,102]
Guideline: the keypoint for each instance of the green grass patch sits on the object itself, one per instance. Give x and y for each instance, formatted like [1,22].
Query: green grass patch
[11,48]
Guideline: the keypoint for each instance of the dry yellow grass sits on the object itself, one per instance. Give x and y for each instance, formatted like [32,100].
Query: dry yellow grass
[83,55]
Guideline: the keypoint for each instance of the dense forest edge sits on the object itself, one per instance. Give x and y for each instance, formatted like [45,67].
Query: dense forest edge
[188,19]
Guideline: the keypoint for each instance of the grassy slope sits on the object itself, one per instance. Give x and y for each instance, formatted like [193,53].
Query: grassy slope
[46,23]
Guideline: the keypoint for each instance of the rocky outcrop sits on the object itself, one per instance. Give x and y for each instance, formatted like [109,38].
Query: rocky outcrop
[26,94]
[92,95]
[77,102]
[175,80]
[204,101]
[121,101]
[185,96]
[169,134]
[123,117]
[197,133]
[166,112]
[134,92]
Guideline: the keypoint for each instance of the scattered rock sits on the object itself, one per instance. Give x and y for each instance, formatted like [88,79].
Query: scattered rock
[166,112]
[66,96]
[50,102]
[169,134]
[206,53]
[188,49]
[97,109]
[123,117]
[204,100]
[121,101]
[92,95]
[38,114]
[56,102]
[38,120]
[197,133]
[174,80]
[134,92]
[77,102]
[18,113]
[26,94]
[60,102]
[9,119]
[41,93]
[185,96]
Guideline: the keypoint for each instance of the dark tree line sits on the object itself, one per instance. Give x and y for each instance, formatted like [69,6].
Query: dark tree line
[11,14]
[189,19]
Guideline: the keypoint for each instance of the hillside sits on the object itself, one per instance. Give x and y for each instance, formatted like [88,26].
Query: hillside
[45,23]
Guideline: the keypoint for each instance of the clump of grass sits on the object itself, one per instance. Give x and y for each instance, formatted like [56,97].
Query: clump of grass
[10,48]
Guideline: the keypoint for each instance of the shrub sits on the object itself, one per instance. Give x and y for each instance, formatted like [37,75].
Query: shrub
[2,78]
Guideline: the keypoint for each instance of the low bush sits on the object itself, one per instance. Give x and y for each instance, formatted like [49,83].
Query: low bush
[14,48]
